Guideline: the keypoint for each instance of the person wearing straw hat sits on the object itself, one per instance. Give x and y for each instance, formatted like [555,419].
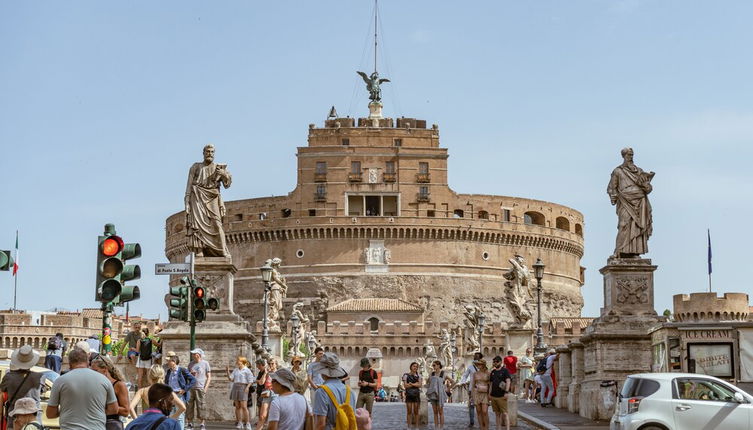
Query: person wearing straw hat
[20,381]
[289,408]
[24,414]
[324,410]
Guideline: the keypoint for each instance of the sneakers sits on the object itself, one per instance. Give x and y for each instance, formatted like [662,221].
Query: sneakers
[202,427]
[239,425]
[189,426]
[248,426]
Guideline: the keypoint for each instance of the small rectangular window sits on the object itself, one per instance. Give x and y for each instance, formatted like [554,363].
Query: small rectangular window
[312,212]
[321,167]
[355,167]
[430,213]
[321,189]
[238,217]
[423,190]
[390,167]
[346,141]
[423,167]
[506,215]
[398,142]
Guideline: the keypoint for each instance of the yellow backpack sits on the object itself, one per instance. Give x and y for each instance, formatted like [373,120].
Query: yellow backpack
[345,417]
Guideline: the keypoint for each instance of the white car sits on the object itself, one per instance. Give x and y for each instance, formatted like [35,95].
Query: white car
[681,401]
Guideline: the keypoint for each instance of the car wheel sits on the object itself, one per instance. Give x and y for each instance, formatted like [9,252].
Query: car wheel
[651,427]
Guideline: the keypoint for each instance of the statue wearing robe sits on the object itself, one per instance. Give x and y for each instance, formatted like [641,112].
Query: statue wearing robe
[204,207]
[628,190]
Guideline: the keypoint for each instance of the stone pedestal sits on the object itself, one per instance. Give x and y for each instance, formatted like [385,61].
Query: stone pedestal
[576,365]
[223,335]
[564,377]
[216,274]
[518,339]
[617,343]
[375,110]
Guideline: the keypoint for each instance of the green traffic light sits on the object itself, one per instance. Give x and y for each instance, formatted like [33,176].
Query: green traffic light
[129,293]
[6,261]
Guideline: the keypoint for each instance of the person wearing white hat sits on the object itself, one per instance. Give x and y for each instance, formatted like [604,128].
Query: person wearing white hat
[324,410]
[289,408]
[25,414]
[202,372]
[20,381]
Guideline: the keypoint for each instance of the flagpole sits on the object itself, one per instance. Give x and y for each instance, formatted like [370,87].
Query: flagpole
[708,232]
[15,278]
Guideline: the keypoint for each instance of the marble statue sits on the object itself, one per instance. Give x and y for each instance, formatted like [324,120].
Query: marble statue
[446,355]
[387,256]
[312,343]
[628,190]
[424,363]
[278,290]
[518,291]
[299,333]
[205,209]
[372,85]
[472,313]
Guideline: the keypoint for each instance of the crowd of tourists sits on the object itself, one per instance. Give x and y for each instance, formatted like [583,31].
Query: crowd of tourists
[93,394]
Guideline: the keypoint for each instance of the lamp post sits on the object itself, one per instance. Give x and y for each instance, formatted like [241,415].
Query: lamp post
[538,270]
[296,326]
[480,328]
[266,277]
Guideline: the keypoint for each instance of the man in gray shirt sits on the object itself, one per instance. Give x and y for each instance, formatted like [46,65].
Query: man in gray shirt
[200,370]
[82,397]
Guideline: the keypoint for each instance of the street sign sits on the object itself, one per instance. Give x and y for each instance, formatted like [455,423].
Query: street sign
[172,268]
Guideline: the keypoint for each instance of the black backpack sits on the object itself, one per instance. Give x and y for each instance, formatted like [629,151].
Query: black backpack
[145,351]
[541,367]
[54,343]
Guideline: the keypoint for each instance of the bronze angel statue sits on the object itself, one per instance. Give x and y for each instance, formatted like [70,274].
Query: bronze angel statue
[372,85]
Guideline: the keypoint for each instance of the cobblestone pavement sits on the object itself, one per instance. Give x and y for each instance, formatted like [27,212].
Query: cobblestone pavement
[391,416]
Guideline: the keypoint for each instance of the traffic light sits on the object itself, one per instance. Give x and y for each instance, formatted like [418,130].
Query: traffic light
[179,305]
[112,272]
[199,303]
[109,265]
[6,261]
[130,272]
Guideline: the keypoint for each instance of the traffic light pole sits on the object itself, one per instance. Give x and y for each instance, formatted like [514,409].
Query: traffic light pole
[106,328]
[192,321]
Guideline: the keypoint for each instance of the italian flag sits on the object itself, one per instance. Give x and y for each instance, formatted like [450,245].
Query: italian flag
[15,260]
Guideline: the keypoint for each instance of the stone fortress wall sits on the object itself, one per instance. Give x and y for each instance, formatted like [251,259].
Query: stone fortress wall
[385,189]
[18,328]
[709,307]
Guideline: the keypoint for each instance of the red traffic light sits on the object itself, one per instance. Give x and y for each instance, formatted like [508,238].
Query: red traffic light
[198,293]
[112,245]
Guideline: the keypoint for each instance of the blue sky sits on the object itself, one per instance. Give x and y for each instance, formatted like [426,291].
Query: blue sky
[104,106]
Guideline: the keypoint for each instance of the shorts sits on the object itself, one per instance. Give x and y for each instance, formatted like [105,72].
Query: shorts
[480,398]
[514,380]
[133,354]
[143,364]
[238,392]
[413,396]
[499,404]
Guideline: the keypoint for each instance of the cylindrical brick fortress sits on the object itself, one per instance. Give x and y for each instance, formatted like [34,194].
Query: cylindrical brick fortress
[372,215]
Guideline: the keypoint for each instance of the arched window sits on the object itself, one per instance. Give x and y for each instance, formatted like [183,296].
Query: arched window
[483,215]
[579,230]
[563,223]
[458,213]
[373,323]
[533,218]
